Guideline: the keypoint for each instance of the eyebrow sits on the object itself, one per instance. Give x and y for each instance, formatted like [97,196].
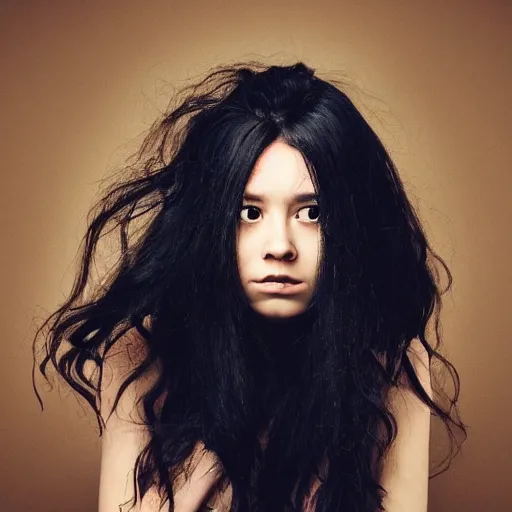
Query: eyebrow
[298,198]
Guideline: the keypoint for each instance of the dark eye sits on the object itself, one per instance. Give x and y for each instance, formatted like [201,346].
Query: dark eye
[313,212]
[252,213]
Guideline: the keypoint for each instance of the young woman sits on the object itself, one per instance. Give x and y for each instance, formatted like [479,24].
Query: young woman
[261,343]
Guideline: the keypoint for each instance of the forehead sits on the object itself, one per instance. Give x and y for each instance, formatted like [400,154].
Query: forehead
[280,170]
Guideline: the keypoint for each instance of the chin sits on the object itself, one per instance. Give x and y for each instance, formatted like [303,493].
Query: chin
[279,311]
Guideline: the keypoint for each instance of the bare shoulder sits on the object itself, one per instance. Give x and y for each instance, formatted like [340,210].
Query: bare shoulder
[122,359]
[417,355]
[420,361]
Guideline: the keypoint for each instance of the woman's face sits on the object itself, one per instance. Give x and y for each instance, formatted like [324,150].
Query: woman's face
[279,234]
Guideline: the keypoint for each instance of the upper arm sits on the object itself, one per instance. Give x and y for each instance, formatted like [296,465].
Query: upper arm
[404,470]
[123,438]
[402,401]
[119,451]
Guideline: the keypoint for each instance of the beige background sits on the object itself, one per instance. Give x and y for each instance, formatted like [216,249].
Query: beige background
[81,80]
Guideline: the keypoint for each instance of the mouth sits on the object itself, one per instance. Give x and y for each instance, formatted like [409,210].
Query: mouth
[284,279]
[283,286]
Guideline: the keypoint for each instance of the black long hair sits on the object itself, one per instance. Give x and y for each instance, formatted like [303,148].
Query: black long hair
[377,290]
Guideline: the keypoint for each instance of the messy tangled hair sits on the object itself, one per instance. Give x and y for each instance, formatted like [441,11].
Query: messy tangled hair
[376,292]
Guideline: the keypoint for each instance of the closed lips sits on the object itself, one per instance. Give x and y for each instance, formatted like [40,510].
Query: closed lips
[280,279]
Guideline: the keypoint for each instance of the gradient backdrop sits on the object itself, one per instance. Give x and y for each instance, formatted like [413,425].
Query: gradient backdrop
[80,82]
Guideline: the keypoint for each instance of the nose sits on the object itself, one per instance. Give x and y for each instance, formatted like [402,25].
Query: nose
[279,245]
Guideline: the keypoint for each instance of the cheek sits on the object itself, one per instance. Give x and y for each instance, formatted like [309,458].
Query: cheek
[313,248]
[243,254]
